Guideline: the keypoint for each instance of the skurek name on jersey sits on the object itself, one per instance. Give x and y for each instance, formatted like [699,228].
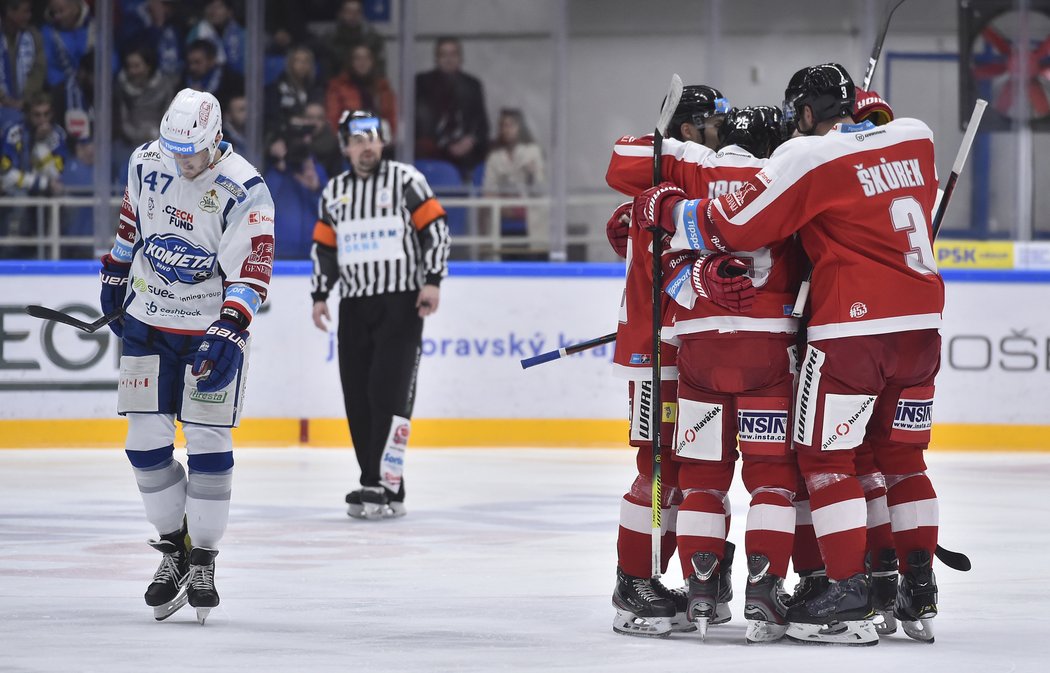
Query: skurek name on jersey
[762,426]
[889,175]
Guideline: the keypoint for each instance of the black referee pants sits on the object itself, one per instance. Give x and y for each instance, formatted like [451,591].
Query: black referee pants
[379,347]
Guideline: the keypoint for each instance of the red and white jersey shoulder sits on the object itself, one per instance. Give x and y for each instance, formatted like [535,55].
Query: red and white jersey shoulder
[859,198]
[630,169]
[776,270]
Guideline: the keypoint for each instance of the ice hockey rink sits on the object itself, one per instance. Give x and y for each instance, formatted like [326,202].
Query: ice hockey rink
[504,563]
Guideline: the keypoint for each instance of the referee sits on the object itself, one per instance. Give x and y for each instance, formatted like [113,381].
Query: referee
[382,235]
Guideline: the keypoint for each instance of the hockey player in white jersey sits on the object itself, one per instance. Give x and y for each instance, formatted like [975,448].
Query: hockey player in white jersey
[190,267]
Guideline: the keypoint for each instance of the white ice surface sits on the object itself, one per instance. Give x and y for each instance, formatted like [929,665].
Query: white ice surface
[504,563]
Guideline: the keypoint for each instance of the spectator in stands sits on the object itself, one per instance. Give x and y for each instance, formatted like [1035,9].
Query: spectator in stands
[221,29]
[451,122]
[321,140]
[78,178]
[142,95]
[296,189]
[203,73]
[296,87]
[361,87]
[22,61]
[235,122]
[351,30]
[32,156]
[68,35]
[156,24]
[515,168]
[73,103]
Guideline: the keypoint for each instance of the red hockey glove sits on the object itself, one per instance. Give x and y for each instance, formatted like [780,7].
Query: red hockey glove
[653,208]
[617,226]
[870,106]
[722,279]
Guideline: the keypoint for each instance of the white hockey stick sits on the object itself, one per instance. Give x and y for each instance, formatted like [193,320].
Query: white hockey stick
[960,161]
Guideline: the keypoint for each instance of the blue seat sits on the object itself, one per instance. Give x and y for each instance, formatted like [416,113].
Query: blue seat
[444,178]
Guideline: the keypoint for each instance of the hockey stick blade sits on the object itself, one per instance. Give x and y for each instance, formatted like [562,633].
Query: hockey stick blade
[674,96]
[51,314]
[953,559]
[567,351]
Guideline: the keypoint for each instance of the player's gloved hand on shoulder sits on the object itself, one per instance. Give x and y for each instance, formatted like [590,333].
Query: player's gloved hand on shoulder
[219,356]
[654,207]
[723,280]
[114,277]
[617,227]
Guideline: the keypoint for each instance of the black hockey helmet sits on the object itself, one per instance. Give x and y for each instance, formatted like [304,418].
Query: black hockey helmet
[755,129]
[827,89]
[698,103]
[359,122]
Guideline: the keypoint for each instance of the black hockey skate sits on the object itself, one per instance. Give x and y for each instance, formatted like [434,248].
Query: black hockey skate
[167,592]
[704,592]
[202,593]
[723,613]
[640,610]
[354,508]
[764,606]
[838,615]
[916,603]
[680,597]
[810,584]
[884,591]
[376,504]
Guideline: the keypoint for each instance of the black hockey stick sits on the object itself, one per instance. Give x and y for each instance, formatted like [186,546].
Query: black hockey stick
[656,409]
[953,559]
[45,313]
[567,351]
[873,62]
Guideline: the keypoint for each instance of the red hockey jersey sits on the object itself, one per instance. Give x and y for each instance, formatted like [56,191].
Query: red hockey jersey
[859,197]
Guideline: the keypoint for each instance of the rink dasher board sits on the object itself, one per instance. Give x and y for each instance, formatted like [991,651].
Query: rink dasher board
[994,375]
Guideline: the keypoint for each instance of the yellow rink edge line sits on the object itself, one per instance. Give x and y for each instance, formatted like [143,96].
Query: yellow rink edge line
[447,432]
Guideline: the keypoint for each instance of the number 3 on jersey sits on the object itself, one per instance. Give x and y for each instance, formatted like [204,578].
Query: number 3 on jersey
[907,215]
[151,180]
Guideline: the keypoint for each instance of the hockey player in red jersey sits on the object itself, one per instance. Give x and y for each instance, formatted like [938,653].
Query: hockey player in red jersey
[859,197]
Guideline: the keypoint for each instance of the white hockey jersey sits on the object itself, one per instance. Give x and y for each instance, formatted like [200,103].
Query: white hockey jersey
[194,244]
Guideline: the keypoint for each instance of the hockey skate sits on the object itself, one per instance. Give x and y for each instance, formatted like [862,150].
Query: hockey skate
[354,508]
[640,610]
[202,593]
[884,591]
[764,606]
[376,504]
[916,603]
[167,592]
[723,613]
[680,597]
[838,615]
[703,590]
[810,584]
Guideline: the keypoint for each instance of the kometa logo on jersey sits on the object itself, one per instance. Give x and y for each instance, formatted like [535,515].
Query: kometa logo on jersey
[176,260]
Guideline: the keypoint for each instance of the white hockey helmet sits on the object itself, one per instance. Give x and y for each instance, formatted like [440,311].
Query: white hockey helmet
[192,123]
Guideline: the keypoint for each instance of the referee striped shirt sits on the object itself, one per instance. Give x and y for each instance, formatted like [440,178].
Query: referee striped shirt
[382,233]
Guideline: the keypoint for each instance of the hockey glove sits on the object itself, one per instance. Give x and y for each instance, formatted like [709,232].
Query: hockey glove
[219,356]
[722,279]
[114,276]
[653,208]
[617,227]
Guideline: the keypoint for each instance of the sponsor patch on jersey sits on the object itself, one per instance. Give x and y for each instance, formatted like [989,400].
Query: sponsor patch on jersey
[858,310]
[763,431]
[384,199]
[845,419]
[150,206]
[698,434]
[806,400]
[641,358]
[641,415]
[259,264]
[913,418]
[179,218]
[151,155]
[176,260]
[209,203]
[751,190]
[142,287]
[217,397]
[232,187]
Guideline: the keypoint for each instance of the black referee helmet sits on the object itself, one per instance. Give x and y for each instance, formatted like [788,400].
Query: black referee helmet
[359,122]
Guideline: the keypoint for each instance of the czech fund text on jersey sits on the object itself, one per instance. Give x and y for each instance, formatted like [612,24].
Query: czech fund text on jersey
[194,243]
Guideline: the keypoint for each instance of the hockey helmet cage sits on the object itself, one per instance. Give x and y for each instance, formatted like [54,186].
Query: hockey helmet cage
[755,129]
[698,102]
[359,122]
[826,89]
[870,106]
[192,123]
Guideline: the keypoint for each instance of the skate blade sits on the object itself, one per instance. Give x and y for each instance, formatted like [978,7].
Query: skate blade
[723,614]
[202,615]
[680,624]
[921,630]
[355,512]
[380,512]
[630,624]
[885,623]
[162,612]
[764,632]
[701,626]
[858,633]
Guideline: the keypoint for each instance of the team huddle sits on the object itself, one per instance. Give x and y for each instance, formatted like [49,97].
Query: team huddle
[830,411]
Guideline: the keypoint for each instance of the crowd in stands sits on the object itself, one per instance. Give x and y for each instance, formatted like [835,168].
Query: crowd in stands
[321,57]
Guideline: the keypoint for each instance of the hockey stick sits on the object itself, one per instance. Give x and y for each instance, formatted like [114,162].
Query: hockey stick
[656,409]
[568,350]
[873,62]
[960,161]
[45,313]
[953,559]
